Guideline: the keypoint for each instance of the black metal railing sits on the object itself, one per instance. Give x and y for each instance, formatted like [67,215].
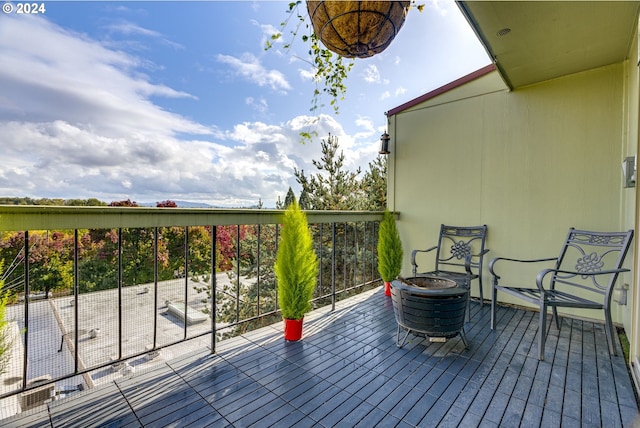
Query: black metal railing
[96,293]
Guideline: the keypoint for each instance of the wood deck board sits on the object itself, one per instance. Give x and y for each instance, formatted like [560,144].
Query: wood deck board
[348,371]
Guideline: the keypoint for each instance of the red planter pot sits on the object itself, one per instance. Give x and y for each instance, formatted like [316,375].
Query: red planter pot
[387,288]
[293,329]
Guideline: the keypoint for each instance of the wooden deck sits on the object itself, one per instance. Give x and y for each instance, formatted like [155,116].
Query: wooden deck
[347,371]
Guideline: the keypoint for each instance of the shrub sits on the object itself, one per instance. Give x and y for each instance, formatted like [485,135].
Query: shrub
[389,248]
[296,264]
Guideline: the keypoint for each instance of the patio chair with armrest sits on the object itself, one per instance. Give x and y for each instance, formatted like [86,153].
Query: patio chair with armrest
[582,276]
[458,257]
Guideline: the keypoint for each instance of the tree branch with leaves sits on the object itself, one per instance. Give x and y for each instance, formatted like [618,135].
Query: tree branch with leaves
[330,70]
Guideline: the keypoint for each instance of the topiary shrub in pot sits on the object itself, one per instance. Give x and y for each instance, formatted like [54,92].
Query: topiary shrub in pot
[389,250]
[296,270]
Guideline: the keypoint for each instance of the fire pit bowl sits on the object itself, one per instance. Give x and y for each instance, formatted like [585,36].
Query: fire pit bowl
[429,306]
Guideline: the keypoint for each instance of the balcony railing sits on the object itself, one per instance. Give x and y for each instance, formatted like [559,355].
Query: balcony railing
[96,292]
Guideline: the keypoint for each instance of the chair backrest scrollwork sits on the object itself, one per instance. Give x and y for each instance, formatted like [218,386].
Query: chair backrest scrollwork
[585,253]
[456,243]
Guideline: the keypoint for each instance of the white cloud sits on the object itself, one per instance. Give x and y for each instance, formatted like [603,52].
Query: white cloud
[371,74]
[306,73]
[261,105]
[365,122]
[268,31]
[400,91]
[80,81]
[77,120]
[435,5]
[249,67]
[367,126]
[385,95]
[130,29]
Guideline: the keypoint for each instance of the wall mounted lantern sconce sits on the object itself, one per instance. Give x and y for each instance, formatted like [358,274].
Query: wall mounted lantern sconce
[384,144]
[629,171]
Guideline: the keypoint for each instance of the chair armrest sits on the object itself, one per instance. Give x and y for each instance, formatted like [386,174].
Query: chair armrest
[467,261]
[543,273]
[414,252]
[493,262]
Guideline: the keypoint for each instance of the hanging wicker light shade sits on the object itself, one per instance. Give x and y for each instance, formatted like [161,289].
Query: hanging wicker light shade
[357,29]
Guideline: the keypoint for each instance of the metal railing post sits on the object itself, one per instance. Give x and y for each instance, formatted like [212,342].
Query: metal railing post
[25,357]
[155,288]
[277,246]
[333,266]
[119,293]
[186,277]
[214,237]
[76,290]
[258,273]
[238,274]
[345,257]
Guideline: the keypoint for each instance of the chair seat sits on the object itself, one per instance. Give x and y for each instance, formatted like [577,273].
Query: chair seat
[553,297]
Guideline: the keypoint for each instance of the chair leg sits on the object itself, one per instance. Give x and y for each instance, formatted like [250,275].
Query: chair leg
[464,338]
[480,285]
[542,330]
[555,316]
[609,330]
[494,296]
[468,310]
[400,343]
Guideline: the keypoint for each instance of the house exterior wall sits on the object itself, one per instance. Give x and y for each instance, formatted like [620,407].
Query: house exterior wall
[529,163]
[631,204]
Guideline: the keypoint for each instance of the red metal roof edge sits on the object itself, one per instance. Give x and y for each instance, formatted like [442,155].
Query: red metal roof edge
[441,90]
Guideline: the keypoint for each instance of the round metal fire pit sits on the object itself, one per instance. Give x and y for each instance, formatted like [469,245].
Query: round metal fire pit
[432,283]
[429,306]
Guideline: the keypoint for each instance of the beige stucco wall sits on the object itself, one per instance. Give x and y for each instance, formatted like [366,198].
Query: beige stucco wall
[629,196]
[529,163]
[630,314]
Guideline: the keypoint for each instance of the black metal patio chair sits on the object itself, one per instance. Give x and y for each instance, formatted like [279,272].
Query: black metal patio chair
[459,256]
[582,276]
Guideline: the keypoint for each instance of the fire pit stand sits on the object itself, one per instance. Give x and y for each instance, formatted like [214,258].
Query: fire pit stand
[429,306]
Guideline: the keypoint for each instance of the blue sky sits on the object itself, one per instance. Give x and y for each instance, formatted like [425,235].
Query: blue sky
[179,100]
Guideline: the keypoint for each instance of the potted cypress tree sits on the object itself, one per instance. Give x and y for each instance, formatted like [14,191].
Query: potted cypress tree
[389,250]
[296,270]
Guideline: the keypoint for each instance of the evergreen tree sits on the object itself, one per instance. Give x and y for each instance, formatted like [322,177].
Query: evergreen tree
[333,187]
[290,198]
[374,185]
[304,200]
[389,248]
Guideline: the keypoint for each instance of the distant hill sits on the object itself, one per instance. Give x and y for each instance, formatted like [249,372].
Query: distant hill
[10,200]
